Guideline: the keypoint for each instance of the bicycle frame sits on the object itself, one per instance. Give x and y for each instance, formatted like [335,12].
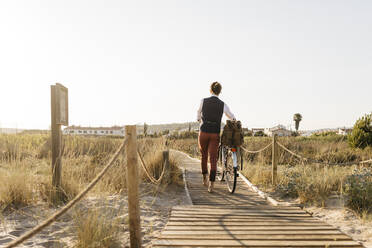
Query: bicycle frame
[234,156]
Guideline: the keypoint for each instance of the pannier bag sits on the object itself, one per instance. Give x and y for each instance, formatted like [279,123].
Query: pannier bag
[232,134]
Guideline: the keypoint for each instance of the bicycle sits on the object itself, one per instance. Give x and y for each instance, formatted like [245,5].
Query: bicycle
[230,161]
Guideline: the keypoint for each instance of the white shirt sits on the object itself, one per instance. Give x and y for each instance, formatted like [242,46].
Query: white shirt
[226,110]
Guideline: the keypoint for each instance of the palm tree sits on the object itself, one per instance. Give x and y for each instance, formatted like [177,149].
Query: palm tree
[297,118]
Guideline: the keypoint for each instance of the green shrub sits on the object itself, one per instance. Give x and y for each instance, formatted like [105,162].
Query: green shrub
[288,184]
[325,134]
[260,134]
[361,136]
[312,184]
[358,187]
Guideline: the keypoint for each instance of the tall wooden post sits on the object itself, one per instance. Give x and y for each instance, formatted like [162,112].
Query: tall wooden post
[274,160]
[132,187]
[166,165]
[56,141]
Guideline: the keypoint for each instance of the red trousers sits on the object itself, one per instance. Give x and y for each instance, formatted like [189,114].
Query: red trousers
[208,145]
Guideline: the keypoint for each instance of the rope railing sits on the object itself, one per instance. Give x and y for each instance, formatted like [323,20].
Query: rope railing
[293,153]
[318,161]
[148,174]
[275,157]
[258,151]
[55,216]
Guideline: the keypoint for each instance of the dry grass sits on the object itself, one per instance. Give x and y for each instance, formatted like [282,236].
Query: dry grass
[68,190]
[96,228]
[16,188]
[312,184]
[25,179]
[152,150]
[190,146]
[27,171]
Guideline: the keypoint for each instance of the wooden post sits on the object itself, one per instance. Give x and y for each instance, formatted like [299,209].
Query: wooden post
[274,160]
[56,141]
[132,187]
[166,165]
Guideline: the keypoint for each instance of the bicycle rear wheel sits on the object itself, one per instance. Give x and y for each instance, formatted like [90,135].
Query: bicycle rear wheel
[220,164]
[231,172]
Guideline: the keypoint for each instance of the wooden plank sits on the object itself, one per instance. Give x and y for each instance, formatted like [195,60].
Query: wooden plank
[265,206]
[228,217]
[273,214]
[242,223]
[251,232]
[233,207]
[227,200]
[240,210]
[255,207]
[260,220]
[314,237]
[203,193]
[182,246]
[254,243]
[249,228]
[218,203]
[237,215]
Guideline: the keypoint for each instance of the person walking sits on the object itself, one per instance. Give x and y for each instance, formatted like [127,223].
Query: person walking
[209,116]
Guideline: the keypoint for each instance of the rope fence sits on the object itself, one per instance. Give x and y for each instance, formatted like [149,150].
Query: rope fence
[321,162]
[55,216]
[258,151]
[293,153]
[275,144]
[302,158]
[148,174]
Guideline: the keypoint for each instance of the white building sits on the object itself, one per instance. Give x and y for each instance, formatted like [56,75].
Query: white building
[279,130]
[98,131]
[344,131]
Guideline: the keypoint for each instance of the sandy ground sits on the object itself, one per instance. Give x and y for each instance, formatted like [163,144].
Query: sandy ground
[345,220]
[336,214]
[155,211]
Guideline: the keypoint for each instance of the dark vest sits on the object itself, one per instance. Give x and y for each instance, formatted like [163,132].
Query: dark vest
[211,116]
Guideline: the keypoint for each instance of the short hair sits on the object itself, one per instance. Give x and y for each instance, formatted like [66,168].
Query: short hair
[216,88]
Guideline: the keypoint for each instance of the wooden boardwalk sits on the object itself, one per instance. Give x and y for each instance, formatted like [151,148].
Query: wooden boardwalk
[242,219]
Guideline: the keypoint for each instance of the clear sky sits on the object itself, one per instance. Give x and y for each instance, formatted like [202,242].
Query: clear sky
[128,62]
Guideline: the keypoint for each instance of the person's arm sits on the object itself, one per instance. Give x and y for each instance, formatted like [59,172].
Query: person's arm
[228,112]
[198,117]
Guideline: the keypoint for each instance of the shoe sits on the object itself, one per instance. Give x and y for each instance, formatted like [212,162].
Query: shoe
[211,187]
[205,180]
